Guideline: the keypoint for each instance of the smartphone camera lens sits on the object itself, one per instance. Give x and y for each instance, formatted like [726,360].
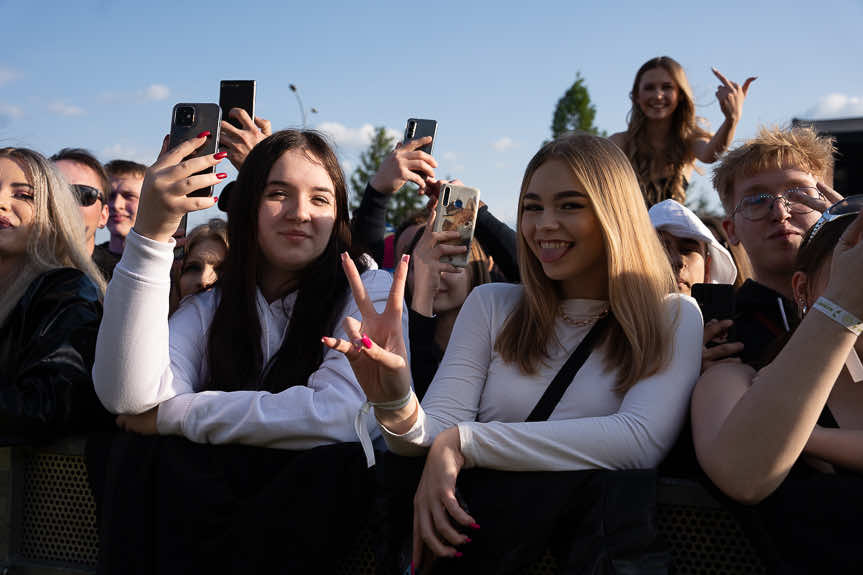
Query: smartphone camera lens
[412,129]
[185,116]
[446,195]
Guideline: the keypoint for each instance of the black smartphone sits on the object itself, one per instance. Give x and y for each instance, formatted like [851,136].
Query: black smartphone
[417,128]
[237,94]
[189,120]
[716,301]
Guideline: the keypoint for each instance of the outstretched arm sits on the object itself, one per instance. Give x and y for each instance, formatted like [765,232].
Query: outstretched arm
[731,96]
[749,428]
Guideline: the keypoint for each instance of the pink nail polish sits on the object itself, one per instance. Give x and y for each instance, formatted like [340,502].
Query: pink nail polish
[412,568]
[474,526]
[467,539]
[367,343]
[458,553]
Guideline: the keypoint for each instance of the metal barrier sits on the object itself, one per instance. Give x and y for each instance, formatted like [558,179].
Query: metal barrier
[48,522]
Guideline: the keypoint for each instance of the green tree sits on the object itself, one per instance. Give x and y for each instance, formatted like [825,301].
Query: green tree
[574,110]
[405,201]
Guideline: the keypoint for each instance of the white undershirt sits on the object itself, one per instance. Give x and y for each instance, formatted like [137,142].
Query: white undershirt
[144,360]
[592,427]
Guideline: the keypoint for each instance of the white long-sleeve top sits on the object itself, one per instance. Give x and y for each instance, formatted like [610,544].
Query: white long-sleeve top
[144,360]
[592,426]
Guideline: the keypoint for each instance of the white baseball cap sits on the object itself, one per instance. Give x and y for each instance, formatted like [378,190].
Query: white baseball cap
[679,221]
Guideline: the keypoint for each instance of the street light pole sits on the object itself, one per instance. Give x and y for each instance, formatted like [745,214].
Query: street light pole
[299,103]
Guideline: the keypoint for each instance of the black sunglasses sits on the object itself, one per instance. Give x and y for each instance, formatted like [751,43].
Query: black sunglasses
[86,195]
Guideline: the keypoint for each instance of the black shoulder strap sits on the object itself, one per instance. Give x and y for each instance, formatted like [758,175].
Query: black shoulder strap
[555,390]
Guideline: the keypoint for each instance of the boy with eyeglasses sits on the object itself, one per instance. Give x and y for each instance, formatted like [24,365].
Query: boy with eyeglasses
[773,189]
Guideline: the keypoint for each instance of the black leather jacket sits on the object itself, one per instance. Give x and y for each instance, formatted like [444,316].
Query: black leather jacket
[46,356]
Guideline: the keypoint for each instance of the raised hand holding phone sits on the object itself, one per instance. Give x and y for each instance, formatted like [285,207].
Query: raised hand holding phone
[239,141]
[406,163]
[376,347]
[167,184]
[428,265]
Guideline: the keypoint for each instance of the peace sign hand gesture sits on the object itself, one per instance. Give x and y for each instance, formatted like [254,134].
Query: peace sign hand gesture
[731,95]
[376,347]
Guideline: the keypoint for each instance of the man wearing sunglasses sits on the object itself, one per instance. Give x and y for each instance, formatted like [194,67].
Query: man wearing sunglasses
[89,183]
[773,189]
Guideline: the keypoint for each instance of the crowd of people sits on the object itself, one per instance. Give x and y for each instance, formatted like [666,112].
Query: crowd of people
[259,390]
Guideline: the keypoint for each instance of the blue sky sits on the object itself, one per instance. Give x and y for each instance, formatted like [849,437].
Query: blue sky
[105,75]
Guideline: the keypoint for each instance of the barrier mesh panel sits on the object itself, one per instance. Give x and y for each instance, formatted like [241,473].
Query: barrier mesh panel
[59,516]
[705,541]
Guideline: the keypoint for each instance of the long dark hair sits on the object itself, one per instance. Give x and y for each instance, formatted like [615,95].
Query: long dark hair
[236,360]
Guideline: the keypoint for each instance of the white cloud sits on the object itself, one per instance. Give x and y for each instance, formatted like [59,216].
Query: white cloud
[8,75]
[503,144]
[10,111]
[836,105]
[352,139]
[156,92]
[64,109]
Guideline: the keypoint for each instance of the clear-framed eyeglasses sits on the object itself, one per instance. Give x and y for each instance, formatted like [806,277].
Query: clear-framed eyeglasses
[758,207]
[850,206]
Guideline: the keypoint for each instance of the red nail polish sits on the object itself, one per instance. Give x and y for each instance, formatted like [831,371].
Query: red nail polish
[367,343]
[221,175]
[458,553]
[467,539]
[204,134]
[474,526]
[220,155]
[215,199]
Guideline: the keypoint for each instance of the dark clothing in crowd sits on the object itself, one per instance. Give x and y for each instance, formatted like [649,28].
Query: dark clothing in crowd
[762,317]
[46,355]
[495,237]
[105,260]
[426,354]
[167,505]
[810,523]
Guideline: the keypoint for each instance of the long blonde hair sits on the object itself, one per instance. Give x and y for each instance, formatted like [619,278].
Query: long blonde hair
[638,341]
[684,129]
[57,234]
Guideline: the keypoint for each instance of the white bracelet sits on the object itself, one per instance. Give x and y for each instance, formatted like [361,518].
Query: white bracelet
[840,315]
[393,405]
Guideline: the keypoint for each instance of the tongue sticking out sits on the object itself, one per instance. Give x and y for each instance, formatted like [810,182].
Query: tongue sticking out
[549,254]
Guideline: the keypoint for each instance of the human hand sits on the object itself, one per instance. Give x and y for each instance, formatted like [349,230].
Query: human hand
[427,264]
[433,187]
[376,347]
[142,423]
[820,204]
[717,330]
[435,503]
[164,200]
[843,287]
[238,142]
[401,165]
[731,95]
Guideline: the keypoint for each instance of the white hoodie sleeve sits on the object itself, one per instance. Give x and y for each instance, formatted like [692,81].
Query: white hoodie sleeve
[132,370]
[138,366]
